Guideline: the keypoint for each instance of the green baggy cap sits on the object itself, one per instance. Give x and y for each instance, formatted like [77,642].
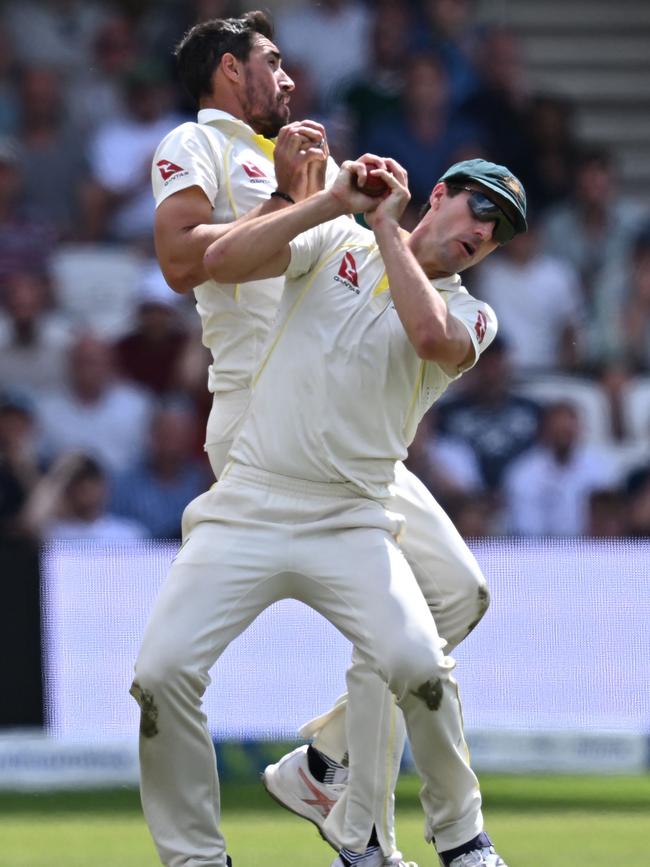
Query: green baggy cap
[494,177]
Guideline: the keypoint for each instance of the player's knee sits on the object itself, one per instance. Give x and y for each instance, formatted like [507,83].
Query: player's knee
[470,601]
[414,664]
[149,708]
[478,604]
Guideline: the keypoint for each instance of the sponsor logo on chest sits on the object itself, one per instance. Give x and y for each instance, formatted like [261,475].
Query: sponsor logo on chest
[256,175]
[347,274]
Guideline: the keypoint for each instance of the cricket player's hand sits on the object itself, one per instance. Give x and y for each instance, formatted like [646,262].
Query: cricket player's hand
[361,186]
[301,158]
[393,202]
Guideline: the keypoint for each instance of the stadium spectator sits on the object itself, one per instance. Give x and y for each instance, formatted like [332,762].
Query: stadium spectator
[330,37]
[20,466]
[158,33]
[475,515]
[538,301]
[607,518]
[51,151]
[554,149]
[448,29]
[637,489]
[96,412]
[424,134]
[69,502]
[8,95]
[156,491]
[98,95]
[447,466]
[489,416]
[58,33]
[34,339]
[150,354]
[377,90]
[119,206]
[547,490]
[27,241]
[594,230]
[629,321]
[499,104]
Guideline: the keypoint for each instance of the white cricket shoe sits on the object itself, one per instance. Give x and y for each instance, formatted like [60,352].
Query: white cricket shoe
[396,860]
[377,859]
[485,857]
[291,784]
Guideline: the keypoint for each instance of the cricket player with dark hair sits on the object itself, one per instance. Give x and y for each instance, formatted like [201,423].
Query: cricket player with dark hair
[207,175]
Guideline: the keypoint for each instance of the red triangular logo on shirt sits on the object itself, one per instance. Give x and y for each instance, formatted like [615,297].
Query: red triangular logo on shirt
[348,269]
[168,169]
[480,326]
[252,170]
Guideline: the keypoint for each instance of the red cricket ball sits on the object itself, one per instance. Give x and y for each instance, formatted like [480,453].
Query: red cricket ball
[373,186]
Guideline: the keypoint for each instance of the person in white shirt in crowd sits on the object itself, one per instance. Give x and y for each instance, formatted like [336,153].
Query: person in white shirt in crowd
[594,230]
[331,38]
[34,339]
[70,502]
[446,464]
[96,412]
[547,490]
[99,95]
[118,197]
[538,299]
[58,33]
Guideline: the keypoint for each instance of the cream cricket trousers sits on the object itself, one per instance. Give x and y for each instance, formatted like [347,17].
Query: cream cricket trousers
[253,539]
[368,732]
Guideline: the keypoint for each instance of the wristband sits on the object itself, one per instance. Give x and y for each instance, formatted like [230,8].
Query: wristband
[280,195]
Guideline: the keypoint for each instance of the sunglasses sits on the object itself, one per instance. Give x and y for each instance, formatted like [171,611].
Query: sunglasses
[485,210]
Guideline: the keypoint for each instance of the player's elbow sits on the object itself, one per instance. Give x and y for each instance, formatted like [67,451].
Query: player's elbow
[180,280]
[220,263]
[426,341]
[432,344]
[178,275]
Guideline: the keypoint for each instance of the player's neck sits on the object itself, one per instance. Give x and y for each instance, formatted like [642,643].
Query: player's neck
[223,102]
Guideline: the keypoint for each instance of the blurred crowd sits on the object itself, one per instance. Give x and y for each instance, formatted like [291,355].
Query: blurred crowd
[103,398]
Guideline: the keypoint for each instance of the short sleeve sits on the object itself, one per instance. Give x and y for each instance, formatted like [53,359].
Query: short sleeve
[186,158]
[479,319]
[306,250]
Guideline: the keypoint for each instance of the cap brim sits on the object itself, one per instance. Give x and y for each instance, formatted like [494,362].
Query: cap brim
[520,223]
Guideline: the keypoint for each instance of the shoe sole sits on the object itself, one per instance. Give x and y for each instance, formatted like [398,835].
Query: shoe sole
[278,800]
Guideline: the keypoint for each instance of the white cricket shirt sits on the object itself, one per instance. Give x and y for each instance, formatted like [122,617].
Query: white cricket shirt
[340,389]
[234,168]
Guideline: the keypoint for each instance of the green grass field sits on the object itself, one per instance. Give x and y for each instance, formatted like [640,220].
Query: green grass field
[536,821]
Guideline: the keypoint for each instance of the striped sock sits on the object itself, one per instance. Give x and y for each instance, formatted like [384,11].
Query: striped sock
[324,769]
[350,858]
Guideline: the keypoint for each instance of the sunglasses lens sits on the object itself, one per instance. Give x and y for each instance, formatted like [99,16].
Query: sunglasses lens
[485,210]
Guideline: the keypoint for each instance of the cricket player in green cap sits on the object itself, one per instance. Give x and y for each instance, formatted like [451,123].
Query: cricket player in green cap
[373,325]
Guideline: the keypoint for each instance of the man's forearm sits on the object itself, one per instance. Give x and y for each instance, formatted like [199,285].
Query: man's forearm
[252,243]
[420,308]
[181,252]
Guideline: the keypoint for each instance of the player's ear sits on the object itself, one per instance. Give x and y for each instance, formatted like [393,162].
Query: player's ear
[437,194]
[231,67]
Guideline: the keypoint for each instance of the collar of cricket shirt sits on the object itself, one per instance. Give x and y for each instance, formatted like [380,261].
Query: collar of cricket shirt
[216,116]
[448,284]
